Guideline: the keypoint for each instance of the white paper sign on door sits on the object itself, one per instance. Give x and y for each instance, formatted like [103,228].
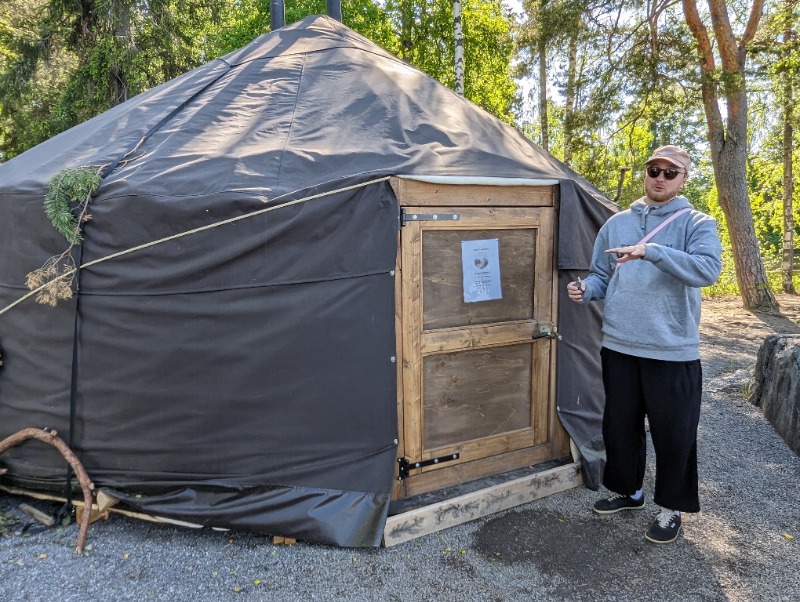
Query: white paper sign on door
[480,262]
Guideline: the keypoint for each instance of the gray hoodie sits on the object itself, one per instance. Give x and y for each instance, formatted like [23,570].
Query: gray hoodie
[652,306]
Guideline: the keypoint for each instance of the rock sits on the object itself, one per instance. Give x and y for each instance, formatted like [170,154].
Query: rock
[775,387]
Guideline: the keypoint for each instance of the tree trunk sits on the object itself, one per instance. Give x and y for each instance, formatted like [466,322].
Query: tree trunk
[728,139]
[118,72]
[569,108]
[788,180]
[406,30]
[620,183]
[729,161]
[543,94]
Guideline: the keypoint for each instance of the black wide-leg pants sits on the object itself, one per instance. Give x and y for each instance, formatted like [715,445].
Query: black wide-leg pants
[668,394]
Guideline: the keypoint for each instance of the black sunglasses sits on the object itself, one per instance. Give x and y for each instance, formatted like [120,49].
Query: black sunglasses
[670,173]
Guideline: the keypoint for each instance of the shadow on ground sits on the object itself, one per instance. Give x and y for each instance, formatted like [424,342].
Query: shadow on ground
[593,557]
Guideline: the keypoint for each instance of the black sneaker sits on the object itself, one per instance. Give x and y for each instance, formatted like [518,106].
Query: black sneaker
[617,502]
[665,527]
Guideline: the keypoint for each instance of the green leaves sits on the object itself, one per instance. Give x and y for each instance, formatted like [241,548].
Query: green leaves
[71,186]
[70,190]
[425,39]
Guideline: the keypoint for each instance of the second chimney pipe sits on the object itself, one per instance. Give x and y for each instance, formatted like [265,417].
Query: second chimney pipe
[277,17]
[277,12]
[335,9]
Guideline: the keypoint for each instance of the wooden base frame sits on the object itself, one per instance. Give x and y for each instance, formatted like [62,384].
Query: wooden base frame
[455,511]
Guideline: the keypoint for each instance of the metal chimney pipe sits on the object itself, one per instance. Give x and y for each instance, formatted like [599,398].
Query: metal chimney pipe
[277,14]
[335,9]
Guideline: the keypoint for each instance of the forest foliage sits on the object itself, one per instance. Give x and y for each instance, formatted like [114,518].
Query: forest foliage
[598,83]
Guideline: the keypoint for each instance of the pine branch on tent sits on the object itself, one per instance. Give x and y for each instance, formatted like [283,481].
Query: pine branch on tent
[71,186]
[69,190]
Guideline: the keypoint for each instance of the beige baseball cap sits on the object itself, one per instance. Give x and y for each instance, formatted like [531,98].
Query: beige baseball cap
[672,154]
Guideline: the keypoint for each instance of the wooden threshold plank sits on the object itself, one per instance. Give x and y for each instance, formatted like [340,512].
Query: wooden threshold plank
[449,513]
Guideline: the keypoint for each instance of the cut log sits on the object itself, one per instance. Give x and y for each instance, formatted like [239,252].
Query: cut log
[105,501]
[95,513]
[775,386]
[37,515]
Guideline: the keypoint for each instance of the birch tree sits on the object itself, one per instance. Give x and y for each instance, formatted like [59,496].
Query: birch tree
[426,40]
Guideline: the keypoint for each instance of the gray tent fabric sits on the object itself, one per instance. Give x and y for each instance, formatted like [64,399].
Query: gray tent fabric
[243,375]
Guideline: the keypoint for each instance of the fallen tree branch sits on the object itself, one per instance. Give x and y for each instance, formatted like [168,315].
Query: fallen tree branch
[52,438]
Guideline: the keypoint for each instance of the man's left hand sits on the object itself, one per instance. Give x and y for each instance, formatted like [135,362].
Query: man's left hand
[628,253]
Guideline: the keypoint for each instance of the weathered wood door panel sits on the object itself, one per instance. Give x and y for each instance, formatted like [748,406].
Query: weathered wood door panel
[475,381]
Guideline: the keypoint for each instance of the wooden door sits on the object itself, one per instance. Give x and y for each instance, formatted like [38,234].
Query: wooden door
[477,376]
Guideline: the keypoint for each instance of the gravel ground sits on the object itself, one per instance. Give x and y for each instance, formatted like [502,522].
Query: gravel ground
[742,546]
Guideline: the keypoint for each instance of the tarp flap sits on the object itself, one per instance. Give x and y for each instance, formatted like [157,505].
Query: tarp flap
[580,218]
[581,397]
[349,519]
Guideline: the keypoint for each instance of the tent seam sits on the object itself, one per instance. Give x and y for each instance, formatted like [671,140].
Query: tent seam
[292,122]
[203,291]
[164,120]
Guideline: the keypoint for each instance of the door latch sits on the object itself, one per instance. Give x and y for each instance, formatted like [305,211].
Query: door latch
[547,330]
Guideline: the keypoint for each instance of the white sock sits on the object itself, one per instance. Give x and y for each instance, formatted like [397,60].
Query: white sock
[637,496]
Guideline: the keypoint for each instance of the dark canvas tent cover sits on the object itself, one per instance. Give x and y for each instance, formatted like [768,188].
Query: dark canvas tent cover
[228,359]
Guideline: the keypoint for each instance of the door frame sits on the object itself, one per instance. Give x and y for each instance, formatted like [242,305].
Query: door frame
[509,206]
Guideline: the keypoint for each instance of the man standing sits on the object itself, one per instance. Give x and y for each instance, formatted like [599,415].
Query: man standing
[649,263]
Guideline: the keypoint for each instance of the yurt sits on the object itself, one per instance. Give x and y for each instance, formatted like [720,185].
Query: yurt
[312,282]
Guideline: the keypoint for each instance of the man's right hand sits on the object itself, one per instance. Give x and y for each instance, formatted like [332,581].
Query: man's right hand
[575,290]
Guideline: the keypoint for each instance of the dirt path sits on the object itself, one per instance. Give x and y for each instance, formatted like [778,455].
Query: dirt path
[731,335]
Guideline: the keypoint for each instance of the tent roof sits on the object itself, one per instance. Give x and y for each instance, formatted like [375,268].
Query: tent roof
[298,108]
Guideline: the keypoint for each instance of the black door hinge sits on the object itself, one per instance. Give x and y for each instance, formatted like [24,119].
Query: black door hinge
[406,466]
[423,217]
